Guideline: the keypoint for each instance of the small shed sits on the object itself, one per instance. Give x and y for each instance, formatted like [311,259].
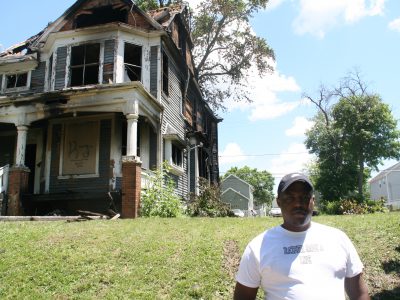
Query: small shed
[386,185]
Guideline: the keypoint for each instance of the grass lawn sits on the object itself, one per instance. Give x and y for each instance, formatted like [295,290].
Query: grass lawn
[184,258]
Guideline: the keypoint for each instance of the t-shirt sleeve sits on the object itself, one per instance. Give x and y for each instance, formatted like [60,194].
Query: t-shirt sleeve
[249,270]
[354,265]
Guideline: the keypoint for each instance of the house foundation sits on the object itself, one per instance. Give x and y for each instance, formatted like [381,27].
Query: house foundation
[131,186]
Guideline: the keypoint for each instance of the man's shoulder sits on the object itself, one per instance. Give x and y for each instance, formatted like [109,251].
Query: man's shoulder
[327,230]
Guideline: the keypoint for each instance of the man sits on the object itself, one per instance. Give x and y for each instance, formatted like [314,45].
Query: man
[300,259]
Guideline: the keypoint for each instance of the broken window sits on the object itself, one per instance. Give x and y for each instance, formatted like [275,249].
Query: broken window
[165,81]
[100,15]
[16,80]
[85,64]
[50,72]
[176,155]
[133,62]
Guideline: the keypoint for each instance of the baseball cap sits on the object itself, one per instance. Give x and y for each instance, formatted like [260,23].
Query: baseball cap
[290,178]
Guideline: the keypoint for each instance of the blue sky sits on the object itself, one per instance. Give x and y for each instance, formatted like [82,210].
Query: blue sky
[315,41]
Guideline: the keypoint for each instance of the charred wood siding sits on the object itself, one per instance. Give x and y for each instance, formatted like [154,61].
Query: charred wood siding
[37,78]
[109,53]
[88,185]
[153,70]
[60,68]
[173,116]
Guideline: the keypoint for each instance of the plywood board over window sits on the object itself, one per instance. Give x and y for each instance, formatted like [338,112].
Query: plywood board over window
[80,149]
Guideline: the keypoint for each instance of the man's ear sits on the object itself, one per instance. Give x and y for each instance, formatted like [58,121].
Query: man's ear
[278,201]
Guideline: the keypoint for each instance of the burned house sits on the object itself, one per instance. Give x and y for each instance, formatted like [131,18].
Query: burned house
[95,102]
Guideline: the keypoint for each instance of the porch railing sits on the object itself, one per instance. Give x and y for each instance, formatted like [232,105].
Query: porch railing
[146,179]
[4,178]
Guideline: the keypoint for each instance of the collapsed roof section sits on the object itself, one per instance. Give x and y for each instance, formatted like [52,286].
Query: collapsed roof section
[87,13]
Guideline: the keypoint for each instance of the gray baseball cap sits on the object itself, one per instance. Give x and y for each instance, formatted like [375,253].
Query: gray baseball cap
[290,178]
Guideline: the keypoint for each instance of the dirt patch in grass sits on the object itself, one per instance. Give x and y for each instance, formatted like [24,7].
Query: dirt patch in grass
[231,257]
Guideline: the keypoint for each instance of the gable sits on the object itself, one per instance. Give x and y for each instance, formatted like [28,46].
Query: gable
[236,184]
[236,200]
[98,12]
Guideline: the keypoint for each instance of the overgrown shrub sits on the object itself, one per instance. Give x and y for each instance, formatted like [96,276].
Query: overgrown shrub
[208,202]
[352,206]
[160,200]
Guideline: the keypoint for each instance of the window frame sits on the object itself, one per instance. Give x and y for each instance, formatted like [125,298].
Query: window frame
[165,73]
[135,66]
[16,88]
[84,64]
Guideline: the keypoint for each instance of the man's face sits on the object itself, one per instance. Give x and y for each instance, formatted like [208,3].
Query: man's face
[297,204]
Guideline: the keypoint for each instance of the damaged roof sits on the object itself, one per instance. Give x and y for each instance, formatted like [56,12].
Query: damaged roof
[160,19]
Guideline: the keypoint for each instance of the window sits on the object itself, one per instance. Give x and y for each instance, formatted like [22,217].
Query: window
[133,62]
[85,61]
[80,149]
[14,81]
[165,81]
[50,72]
[176,155]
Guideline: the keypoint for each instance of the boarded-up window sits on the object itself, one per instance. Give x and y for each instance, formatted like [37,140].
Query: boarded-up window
[85,64]
[80,151]
[133,62]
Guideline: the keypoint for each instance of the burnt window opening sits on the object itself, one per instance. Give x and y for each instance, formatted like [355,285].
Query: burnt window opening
[177,155]
[101,15]
[16,80]
[85,64]
[50,73]
[133,62]
[165,81]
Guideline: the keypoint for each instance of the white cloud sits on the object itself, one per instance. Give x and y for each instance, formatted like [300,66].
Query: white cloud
[263,91]
[231,154]
[272,4]
[395,25]
[300,126]
[316,17]
[293,159]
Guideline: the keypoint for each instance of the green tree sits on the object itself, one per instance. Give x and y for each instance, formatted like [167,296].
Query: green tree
[350,137]
[333,175]
[369,132]
[262,182]
[225,48]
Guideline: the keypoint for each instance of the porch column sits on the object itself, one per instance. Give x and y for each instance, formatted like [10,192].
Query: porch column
[18,176]
[131,186]
[22,131]
[196,171]
[131,141]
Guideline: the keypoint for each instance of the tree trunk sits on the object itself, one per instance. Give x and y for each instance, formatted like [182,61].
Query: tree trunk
[360,178]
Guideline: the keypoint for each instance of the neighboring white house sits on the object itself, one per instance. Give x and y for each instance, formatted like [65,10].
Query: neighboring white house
[237,193]
[387,185]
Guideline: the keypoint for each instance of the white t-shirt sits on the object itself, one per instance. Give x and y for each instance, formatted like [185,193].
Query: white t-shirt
[300,265]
